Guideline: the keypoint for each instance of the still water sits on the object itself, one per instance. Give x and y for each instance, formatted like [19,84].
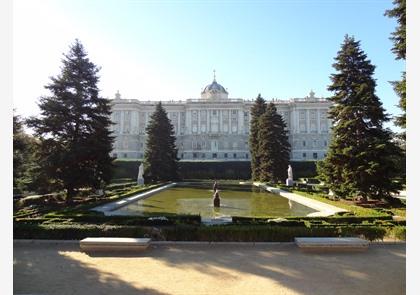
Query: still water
[197,198]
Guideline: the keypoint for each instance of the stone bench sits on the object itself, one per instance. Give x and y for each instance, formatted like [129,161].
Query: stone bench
[332,244]
[113,244]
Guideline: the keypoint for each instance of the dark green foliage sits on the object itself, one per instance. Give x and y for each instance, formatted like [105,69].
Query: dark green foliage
[115,219]
[73,128]
[273,146]
[399,38]
[74,231]
[361,159]
[161,161]
[215,170]
[257,110]
[24,146]
[211,169]
[126,169]
[304,169]
[189,230]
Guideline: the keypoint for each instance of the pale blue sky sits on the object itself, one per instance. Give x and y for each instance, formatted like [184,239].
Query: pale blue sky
[162,50]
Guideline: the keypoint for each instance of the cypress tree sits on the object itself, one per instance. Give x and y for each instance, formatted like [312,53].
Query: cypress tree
[361,157]
[274,147]
[257,110]
[399,39]
[161,161]
[74,126]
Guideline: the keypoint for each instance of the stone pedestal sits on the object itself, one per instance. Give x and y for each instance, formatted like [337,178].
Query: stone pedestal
[289,182]
[140,181]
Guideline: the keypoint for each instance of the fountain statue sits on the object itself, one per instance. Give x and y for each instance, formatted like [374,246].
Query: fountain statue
[289,180]
[140,179]
[216,199]
[215,186]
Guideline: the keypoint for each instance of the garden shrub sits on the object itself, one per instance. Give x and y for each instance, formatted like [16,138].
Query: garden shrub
[211,169]
[185,232]
[398,232]
[370,233]
[74,231]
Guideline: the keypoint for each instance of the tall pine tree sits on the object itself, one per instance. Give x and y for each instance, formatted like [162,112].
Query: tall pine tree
[161,161]
[361,157]
[274,147]
[399,39]
[257,110]
[74,126]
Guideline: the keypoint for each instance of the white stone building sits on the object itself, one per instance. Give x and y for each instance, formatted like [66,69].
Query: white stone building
[216,127]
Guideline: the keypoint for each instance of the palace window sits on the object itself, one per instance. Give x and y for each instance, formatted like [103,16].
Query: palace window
[226,155]
[234,155]
[304,143]
[315,155]
[214,156]
[303,155]
[194,155]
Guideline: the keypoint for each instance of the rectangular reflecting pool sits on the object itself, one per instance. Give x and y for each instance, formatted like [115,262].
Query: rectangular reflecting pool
[197,198]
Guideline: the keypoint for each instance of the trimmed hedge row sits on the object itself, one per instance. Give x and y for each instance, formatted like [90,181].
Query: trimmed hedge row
[115,186]
[329,219]
[212,169]
[225,233]
[117,220]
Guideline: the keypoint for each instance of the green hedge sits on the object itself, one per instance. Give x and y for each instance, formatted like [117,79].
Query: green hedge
[115,220]
[74,231]
[116,186]
[225,233]
[212,169]
[316,220]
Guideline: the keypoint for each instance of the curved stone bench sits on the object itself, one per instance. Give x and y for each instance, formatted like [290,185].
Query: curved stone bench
[332,244]
[114,244]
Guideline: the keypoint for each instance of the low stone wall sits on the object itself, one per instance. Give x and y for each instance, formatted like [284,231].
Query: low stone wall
[109,207]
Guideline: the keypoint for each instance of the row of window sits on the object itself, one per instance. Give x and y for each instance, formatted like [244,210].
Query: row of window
[314,143]
[214,156]
[314,155]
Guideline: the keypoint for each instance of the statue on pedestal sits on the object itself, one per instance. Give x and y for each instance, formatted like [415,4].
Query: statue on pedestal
[216,199]
[140,179]
[289,180]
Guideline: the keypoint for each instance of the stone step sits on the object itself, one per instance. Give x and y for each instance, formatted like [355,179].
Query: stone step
[113,244]
[331,244]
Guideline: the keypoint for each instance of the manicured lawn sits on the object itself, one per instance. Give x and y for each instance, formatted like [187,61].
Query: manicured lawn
[357,210]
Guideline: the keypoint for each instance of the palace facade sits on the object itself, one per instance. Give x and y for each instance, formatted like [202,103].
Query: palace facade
[216,127]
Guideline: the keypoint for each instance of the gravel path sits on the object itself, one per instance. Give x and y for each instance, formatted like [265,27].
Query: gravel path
[208,269]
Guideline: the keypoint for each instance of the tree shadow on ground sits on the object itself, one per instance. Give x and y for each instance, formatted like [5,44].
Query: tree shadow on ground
[33,267]
[379,270]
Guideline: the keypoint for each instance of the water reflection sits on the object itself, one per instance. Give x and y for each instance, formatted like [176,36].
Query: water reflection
[236,200]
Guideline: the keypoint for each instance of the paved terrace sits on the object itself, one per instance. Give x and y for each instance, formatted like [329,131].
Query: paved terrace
[199,269]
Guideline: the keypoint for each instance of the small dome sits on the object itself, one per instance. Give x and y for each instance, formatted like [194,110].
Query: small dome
[214,91]
[215,87]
